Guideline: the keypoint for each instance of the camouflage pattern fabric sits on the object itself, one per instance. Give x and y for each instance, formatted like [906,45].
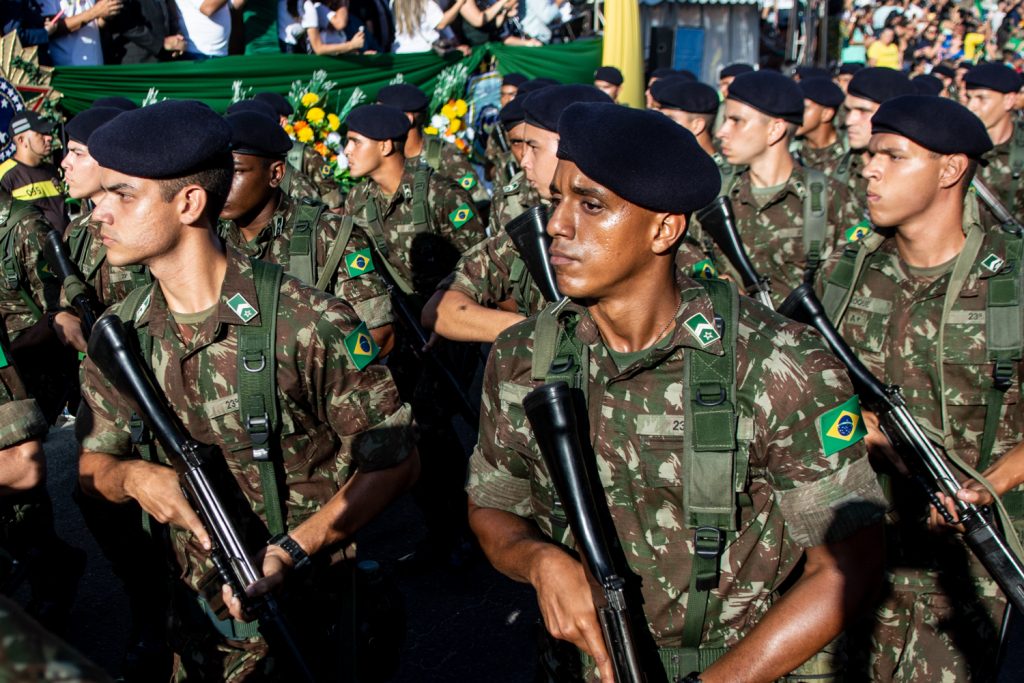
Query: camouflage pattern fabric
[355,282]
[298,185]
[319,174]
[825,159]
[20,417]
[999,178]
[423,258]
[498,159]
[799,496]
[27,238]
[510,200]
[857,184]
[110,283]
[456,166]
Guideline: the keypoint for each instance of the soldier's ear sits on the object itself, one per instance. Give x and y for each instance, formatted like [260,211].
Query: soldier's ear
[953,168]
[670,229]
[1009,100]
[277,169]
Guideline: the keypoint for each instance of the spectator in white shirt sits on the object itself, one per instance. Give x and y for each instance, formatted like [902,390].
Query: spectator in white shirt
[418,23]
[75,30]
[325,24]
[206,25]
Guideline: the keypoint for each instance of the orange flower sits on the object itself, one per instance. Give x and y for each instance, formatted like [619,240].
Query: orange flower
[300,124]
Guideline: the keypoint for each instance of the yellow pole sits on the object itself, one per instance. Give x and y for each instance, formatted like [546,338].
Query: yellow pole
[623,48]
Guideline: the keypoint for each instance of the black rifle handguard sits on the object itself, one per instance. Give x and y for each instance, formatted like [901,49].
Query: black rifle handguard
[77,293]
[528,232]
[718,221]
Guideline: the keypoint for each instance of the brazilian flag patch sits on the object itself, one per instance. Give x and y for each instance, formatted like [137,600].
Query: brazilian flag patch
[857,232]
[842,426]
[705,269]
[359,263]
[361,347]
[325,171]
[461,216]
[467,182]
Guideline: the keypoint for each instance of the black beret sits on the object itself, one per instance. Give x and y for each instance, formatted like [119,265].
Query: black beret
[993,76]
[926,84]
[253,133]
[681,76]
[642,156]
[545,81]
[914,117]
[532,85]
[806,72]
[678,93]
[81,126]
[512,114]
[378,122]
[253,106]
[608,74]
[403,96]
[543,107]
[513,79]
[823,91]
[735,69]
[944,70]
[687,74]
[769,92]
[117,102]
[279,102]
[879,84]
[662,72]
[850,68]
[168,139]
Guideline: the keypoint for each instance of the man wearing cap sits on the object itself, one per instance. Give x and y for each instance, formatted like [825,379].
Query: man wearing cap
[263,222]
[510,87]
[918,302]
[341,447]
[845,74]
[497,159]
[790,218]
[991,94]
[27,175]
[639,327]
[693,106]
[440,155]
[608,80]
[818,145]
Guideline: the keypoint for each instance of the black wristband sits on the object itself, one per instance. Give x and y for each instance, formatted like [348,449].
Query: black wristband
[299,556]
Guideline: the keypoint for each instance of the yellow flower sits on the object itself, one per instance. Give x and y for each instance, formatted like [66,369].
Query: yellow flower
[333,122]
[461,108]
[430,130]
[448,111]
[309,99]
[288,128]
[454,126]
[305,135]
[315,115]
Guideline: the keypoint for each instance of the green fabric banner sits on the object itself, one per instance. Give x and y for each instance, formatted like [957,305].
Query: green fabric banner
[210,81]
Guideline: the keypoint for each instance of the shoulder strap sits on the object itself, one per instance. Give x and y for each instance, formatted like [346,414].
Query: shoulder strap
[815,218]
[375,229]
[302,241]
[294,156]
[336,253]
[842,173]
[420,188]
[558,356]
[432,148]
[838,288]
[257,387]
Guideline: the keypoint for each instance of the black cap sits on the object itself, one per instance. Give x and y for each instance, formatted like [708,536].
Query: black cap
[81,126]
[914,117]
[850,68]
[823,91]
[26,120]
[378,122]
[117,102]
[533,85]
[403,96]
[662,72]
[735,69]
[944,70]
[168,139]
[608,74]
[513,79]
[993,76]
[512,114]
[926,84]
[279,102]
[642,156]
[543,107]
[258,135]
[678,93]
[879,84]
[806,72]
[771,93]
[255,106]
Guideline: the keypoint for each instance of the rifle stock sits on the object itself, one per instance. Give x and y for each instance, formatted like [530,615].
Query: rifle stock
[551,413]
[77,293]
[718,220]
[120,363]
[916,450]
[528,232]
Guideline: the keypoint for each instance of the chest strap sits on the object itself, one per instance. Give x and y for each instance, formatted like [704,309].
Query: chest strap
[335,255]
[302,241]
[815,219]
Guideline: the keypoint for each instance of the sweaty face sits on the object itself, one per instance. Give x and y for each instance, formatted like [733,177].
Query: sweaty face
[744,133]
[903,179]
[540,158]
[858,120]
[364,155]
[600,242]
[136,223]
[813,114]
[252,183]
[517,141]
[508,93]
[81,172]
[989,106]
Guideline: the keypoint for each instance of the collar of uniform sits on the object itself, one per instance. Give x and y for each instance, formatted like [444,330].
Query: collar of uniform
[403,192]
[743,190]
[1000,150]
[231,233]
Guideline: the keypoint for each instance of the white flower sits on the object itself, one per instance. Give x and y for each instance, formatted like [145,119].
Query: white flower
[333,139]
[342,162]
[439,122]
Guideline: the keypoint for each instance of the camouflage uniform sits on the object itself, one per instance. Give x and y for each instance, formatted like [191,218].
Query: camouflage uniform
[354,281]
[854,163]
[511,199]
[825,159]
[34,281]
[298,186]
[787,383]
[313,180]
[455,165]
[111,284]
[499,159]
[999,178]
[334,419]
[940,620]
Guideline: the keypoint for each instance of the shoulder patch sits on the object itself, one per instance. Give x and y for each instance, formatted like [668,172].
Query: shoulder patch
[242,308]
[360,346]
[855,233]
[993,263]
[702,330]
[511,188]
[143,306]
[704,269]
[359,263]
[461,216]
[842,426]
[467,181]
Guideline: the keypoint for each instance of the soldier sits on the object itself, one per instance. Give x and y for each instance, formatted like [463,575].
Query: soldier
[818,144]
[625,184]
[117,102]
[510,87]
[728,74]
[342,448]
[790,218]
[321,249]
[656,75]
[805,73]
[922,303]
[517,194]
[926,84]
[608,80]
[27,176]
[868,89]
[497,159]
[440,155]
[846,73]
[947,75]
[693,106]
[991,95]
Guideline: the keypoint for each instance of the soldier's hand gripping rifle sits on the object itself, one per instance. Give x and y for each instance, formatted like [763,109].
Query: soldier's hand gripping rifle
[916,451]
[75,290]
[120,363]
[528,232]
[998,209]
[718,220]
[551,413]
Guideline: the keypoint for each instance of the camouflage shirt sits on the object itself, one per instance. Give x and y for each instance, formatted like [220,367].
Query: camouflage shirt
[825,159]
[499,159]
[334,418]
[998,177]
[454,165]
[510,200]
[29,271]
[422,257]
[354,281]
[318,173]
[855,182]
[20,417]
[788,387]
[110,283]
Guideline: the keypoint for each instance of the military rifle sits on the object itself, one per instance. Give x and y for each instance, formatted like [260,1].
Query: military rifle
[528,232]
[718,220]
[918,453]
[552,416]
[77,292]
[1006,219]
[120,363]
[505,145]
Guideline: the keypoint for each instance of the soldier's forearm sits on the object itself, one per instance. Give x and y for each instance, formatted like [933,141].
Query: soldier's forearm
[459,318]
[512,544]
[104,476]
